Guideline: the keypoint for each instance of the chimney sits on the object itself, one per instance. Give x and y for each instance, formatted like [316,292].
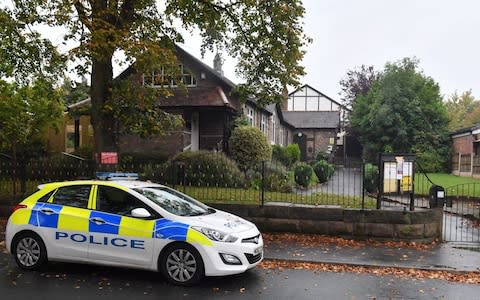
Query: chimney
[217,64]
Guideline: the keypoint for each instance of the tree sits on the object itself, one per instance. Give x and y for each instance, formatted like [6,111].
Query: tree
[265,36]
[75,91]
[26,112]
[357,82]
[403,112]
[463,110]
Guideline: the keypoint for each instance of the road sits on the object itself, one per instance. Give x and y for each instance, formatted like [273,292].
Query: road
[72,281]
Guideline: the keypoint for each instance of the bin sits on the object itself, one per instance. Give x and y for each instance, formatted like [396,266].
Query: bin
[437,196]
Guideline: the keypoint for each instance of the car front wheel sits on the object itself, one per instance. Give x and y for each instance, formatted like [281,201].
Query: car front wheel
[29,251]
[181,264]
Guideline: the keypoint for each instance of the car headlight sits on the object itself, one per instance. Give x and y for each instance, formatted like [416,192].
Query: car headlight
[216,235]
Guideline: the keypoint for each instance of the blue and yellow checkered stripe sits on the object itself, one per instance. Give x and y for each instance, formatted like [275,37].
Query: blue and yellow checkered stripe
[77,219]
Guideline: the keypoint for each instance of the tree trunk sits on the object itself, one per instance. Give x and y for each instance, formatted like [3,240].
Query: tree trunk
[100,92]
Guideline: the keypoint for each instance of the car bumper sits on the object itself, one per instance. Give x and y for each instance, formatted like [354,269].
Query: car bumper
[250,254]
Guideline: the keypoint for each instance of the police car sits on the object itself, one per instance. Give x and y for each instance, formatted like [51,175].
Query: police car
[131,224]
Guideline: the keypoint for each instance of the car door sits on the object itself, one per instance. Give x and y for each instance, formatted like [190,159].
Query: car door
[117,237]
[63,221]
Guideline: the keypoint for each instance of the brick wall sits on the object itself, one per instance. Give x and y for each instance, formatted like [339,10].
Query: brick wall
[462,144]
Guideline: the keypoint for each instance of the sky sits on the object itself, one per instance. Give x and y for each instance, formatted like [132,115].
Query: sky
[443,35]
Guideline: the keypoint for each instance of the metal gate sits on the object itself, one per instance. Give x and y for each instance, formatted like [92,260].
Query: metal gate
[461,221]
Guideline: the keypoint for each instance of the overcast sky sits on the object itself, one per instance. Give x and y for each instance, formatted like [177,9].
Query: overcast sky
[443,35]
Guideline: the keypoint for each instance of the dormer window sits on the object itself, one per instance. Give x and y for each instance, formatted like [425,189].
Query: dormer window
[162,78]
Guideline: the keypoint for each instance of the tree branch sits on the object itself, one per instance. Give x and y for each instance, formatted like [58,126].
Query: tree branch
[82,15]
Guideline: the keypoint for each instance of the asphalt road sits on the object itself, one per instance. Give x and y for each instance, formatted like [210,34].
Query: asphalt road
[72,281]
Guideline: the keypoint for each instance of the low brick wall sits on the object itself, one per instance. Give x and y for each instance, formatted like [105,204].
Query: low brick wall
[419,226]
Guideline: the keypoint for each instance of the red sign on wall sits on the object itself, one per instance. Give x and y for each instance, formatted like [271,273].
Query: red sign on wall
[109,158]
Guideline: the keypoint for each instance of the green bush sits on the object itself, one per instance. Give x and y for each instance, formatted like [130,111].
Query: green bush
[370,181]
[323,170]
[288,156]
[303,173]
[279,154]
[293,153]
[322,155]
[276,178]
[202,168]
[248,147]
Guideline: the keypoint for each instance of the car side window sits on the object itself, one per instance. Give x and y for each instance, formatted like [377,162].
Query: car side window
[75,196]
[115,201]
[46,197]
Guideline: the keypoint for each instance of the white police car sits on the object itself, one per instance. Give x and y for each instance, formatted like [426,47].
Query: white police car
[132,224]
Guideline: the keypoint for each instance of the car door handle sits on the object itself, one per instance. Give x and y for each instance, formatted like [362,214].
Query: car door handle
[47,211]
[97,221]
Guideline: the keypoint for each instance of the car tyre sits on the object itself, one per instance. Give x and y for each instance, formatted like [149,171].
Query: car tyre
[181,264]
[29,251]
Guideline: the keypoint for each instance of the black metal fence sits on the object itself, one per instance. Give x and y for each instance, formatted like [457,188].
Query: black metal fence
[214,178]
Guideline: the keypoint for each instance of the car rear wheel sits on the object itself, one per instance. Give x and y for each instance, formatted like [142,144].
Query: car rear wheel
[29,251]
[181,264]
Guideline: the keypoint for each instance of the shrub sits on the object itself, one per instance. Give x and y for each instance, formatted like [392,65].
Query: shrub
[248,147]
[85,151]
[323,170]
[293,153]
[202,168]
[276,178]
[303,173]
[322,155]
[370,180]
[279,154]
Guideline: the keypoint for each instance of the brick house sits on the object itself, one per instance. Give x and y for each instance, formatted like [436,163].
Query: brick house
[466,151]
[208,107]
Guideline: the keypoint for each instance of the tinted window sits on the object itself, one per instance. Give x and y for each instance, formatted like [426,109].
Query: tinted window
[116,201]
[76,196]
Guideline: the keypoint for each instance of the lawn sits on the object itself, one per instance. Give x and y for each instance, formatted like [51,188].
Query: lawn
[422,185]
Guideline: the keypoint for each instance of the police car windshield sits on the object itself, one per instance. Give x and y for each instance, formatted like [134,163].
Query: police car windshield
[173,201]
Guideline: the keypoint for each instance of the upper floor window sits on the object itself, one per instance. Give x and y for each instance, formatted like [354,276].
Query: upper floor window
[263,124]
[250,116]
[164,78]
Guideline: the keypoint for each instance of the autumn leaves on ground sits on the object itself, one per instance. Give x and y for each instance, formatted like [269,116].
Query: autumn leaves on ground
[311,240]
[319,240]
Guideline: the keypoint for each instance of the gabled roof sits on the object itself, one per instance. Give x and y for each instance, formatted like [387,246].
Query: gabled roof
[313,119]
[320,93]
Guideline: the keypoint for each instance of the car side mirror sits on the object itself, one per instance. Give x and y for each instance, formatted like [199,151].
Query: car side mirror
[140,213]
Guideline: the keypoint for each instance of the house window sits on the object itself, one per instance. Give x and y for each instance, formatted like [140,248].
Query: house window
[250,116]
[164,78]
[263,124]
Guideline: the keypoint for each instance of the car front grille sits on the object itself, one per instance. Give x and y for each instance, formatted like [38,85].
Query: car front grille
[253,239]
[253,258]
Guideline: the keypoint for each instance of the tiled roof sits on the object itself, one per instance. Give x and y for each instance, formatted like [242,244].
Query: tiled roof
[313,119]
[199,96]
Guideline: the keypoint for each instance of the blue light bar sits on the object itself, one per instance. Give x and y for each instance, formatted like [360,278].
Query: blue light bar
[116,176]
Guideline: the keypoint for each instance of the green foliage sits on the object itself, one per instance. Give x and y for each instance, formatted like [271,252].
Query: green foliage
[402,112]
[24,54]
[370,181]
[293,153]
[202,168]
[463,110]
[268,51]
[74,92]
[322,155]
[303,174]
[26,112]
[288,156]
[248,147]
[323,170]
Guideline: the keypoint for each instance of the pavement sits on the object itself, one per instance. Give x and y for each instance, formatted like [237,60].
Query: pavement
[454,257]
